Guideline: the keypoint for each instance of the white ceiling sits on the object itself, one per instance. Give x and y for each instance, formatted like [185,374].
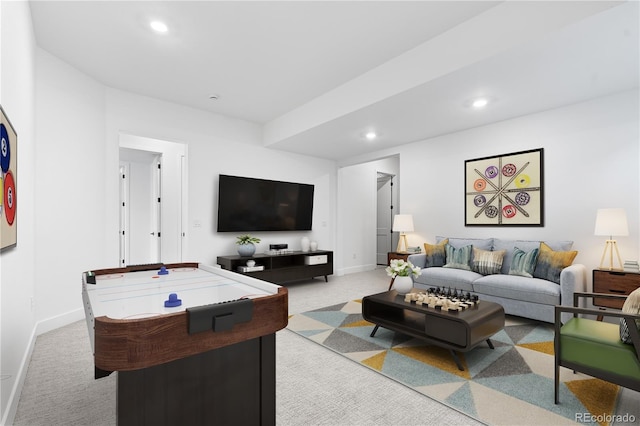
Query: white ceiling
[318,75]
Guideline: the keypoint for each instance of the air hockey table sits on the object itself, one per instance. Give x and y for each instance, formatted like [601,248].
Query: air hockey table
[191,344]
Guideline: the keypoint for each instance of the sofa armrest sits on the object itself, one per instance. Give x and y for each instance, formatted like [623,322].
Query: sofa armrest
[418,259]
[573,279]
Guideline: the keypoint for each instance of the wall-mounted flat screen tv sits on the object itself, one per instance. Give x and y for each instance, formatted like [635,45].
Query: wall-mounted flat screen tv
[249,205]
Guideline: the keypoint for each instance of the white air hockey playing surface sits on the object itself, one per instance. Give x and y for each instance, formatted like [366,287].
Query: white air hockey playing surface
[142,294]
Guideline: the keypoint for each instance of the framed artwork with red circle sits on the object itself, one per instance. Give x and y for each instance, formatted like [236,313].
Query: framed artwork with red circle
[505,190]
[8,183]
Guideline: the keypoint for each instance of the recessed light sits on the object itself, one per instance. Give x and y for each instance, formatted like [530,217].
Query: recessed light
[159,26]
[214,97]
[480,103]
[370,135]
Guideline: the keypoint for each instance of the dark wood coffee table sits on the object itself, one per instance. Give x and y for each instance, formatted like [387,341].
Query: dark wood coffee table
[453,330]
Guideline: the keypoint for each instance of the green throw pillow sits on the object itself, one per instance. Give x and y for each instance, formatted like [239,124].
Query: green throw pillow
[487,262]
[551,263]
[436,255]
[523,263]
[631,306]
[458,258]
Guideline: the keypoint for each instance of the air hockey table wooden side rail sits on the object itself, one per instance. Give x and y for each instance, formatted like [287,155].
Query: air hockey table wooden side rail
[138,343]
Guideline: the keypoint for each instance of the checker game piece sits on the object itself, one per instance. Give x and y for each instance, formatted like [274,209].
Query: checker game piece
[173,301]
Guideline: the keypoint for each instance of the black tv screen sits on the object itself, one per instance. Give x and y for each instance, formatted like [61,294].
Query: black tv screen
[248,205]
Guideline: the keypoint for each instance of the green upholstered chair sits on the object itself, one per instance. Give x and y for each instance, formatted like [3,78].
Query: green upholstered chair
[594,347]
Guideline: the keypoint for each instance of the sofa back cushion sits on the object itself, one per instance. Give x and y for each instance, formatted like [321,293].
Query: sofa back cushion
[526,246]
[480,243]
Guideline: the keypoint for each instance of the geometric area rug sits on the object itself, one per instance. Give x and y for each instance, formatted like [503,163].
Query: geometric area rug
[509,385]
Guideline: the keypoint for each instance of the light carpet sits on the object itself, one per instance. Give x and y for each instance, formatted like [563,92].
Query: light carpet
[511,384]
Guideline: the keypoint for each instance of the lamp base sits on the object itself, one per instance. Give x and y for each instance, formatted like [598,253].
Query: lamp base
[610,246]
[402,244]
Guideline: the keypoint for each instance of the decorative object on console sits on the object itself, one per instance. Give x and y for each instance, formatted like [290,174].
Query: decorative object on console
[505,190]
[631,266]
[305,243]
[313,245]
[401,272]
[611,222]
[402,223]
[246,245]
[402,285]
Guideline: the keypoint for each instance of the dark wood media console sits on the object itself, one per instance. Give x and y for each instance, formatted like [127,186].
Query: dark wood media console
[282,268]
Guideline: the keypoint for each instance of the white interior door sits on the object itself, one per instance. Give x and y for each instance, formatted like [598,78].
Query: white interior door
[385,209]
[140,193]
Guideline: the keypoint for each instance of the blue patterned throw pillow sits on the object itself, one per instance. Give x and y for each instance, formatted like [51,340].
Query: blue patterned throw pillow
[524,263]
[458,258]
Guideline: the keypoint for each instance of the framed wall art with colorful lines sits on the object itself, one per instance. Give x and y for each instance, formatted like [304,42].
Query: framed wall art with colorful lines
[8,179]
[505,190]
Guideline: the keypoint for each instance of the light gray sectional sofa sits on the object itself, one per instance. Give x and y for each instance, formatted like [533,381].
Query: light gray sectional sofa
[525,296]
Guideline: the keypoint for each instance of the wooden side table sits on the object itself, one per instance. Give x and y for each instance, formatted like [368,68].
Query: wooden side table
[614,282]
[397,255]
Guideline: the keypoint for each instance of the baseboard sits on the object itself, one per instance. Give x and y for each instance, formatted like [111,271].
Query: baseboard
[14,397]
[355,269]
[41,327]
[59,321]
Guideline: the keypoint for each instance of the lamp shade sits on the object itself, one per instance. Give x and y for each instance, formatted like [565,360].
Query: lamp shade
[403,223]
[611,222]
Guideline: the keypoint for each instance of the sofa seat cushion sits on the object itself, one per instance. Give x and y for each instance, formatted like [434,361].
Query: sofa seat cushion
[532,290]
[447,277]
[597,344]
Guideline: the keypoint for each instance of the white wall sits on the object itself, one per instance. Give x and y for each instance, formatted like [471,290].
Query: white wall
[70,168]
[217,145]
[357,213]
[591,153]
[17,271]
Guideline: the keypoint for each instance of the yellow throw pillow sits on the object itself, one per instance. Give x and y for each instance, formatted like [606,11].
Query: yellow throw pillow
[551,263]
[436,255]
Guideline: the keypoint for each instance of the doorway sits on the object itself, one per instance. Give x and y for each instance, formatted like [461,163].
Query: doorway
[140,207]
[384,219]
[154,216]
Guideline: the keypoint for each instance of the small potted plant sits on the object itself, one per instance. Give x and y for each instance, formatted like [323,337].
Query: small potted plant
[401,272]
[246,245]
